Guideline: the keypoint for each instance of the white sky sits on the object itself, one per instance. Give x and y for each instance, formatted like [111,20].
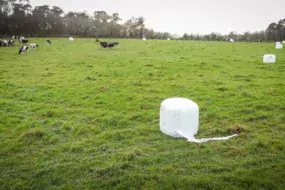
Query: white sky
[190,16]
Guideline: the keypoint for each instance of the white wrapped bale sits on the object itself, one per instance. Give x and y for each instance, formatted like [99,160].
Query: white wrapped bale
[269,58]
[279,45]
[71,39]
[144,39]
[168,38]
[179,117]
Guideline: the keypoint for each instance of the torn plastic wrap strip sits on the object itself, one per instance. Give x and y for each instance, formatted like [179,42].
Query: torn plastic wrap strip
[193,139]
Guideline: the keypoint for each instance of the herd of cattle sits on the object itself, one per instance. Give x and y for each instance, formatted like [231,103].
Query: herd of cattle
[22,40]
[25,48]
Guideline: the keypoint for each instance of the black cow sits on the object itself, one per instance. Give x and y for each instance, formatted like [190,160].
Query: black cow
[104,44]
[24,41]
[111,45]
[49,42]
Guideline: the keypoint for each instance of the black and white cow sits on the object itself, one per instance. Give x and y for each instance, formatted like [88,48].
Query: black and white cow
[5,43]
[23,49]
[33,46]
[49,42]
[230,40]
[11,42]
[23,40]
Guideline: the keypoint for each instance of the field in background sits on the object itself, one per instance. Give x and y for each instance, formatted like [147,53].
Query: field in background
[74,115]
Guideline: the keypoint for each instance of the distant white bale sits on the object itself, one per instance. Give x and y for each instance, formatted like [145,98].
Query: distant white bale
[283,42]
[13,37]
[278,42]
[279,45]
[71,39]
[168,38]
[143,38]
[33,46]
[269,58]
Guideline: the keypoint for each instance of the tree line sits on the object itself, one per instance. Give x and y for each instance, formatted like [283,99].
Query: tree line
[18,17]
[274,32]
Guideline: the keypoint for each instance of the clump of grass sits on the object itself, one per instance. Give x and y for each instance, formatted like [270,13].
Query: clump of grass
[222,88]
[238,129]
[90,78]
[33,134]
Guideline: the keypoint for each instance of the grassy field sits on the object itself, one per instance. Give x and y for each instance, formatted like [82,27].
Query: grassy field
[75,116]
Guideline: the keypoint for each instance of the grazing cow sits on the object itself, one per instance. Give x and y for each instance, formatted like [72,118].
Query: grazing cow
[10,42]
[111,45]
[230,40]
[1,43]
[33,46]
[104,44]
[5,43]
[116,43]
[23,49]
[24,41]
[49,42]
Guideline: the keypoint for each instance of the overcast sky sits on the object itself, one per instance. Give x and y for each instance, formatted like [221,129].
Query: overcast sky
[190,16]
